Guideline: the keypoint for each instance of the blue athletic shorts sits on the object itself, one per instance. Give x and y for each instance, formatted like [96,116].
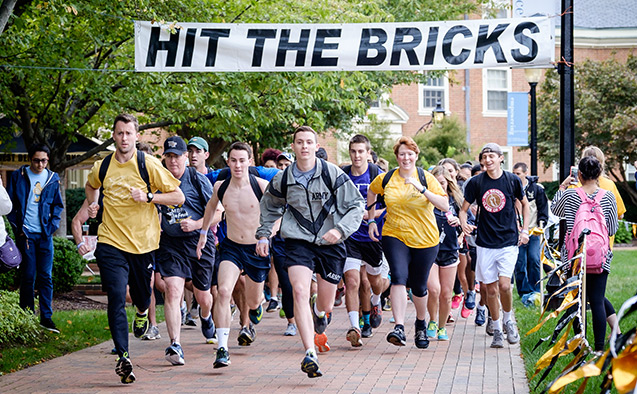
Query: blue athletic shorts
[245,257]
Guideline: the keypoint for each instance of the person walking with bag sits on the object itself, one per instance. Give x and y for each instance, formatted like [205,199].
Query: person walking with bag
[10,256]
[566,204]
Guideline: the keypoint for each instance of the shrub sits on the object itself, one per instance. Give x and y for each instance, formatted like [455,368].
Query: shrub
[18,326]
[74,200]
[623,236]
[67,265]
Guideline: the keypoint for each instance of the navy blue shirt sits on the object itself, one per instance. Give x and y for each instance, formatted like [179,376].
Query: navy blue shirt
[193,208]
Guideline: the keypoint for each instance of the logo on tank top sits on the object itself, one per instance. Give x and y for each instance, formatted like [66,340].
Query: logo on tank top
[493,200]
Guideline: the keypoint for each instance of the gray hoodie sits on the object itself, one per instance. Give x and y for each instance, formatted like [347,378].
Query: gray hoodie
[309,213]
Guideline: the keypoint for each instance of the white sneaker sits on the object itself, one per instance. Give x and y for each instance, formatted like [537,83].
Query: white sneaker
[291,330]
[512,332]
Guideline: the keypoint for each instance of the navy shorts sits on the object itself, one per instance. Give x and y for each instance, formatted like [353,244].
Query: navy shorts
[177,256]
[325,260]
[447,258]
[245,257]
[369,252]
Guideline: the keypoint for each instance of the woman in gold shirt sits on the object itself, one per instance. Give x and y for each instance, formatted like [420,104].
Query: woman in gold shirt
[410,234]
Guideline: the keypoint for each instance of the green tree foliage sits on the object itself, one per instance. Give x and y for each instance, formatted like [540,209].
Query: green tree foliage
[67,265]
[447,139]
[65,71]
[605,114]
[19,327]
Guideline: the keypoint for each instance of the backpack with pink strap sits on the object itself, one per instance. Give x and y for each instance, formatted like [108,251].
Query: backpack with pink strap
[590,215]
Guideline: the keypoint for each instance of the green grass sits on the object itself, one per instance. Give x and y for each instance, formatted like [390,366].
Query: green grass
[622,284]
[86,279]
[78,330]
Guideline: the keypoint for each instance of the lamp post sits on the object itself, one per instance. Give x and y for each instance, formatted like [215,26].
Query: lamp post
[533,76]
[437,115]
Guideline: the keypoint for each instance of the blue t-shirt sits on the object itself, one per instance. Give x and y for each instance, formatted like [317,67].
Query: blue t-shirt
[193,208]
[32,214]
[263,173]
[362,182]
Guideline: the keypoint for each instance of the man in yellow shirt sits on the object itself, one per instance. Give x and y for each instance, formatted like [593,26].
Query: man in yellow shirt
[129,233]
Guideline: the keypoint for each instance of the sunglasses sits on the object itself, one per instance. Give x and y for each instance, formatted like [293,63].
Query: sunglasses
[40,161]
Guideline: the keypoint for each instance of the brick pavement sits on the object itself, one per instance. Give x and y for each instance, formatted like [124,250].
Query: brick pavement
[465,364]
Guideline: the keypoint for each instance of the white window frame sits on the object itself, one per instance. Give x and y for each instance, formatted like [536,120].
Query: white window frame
[426,111]
[486,112]
[507,163]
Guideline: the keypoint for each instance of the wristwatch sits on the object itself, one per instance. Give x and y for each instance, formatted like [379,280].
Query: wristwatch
[149,197]
[424,189]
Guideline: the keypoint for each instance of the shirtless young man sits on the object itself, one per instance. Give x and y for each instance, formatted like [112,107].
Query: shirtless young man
[237,250]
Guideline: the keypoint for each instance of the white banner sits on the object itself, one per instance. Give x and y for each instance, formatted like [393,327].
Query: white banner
[203,47]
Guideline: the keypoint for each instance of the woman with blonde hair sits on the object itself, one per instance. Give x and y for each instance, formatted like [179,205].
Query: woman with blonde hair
[410,234]
[443,272]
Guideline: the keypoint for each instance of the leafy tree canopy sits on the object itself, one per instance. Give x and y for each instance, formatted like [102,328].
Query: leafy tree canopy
[605,114]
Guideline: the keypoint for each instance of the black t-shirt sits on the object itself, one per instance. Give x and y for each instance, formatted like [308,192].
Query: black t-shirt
[497,219]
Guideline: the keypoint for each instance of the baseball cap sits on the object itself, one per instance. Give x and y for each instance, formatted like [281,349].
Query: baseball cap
[175,145]
[285,155]
[491,147]
[199,142]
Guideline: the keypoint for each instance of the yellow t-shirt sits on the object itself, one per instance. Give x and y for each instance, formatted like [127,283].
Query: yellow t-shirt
[410,215]
[129,225]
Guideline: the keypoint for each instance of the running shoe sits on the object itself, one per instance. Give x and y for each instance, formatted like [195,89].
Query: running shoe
[233,310]
[442,334]
[140,325]
[338,299]
[512,332]
[124,369]
[366,331]
[450,319]
[456,300]
[267,294]
[291,330]
[184,312]
[470,300]
[208,329]
[114,350]
[320,340]
[48,325]
[465,312]
[397,337]
[498,339]
[246,336]
[421,340]
[281,313]
[354,337]
[432,329]
[256,315]
[273,305]
[376,316]
[175,355]
[320,322]
[152,334]
[223,358]
[310,366]
[481,317]
[489,329]
[190,321]
[387,306]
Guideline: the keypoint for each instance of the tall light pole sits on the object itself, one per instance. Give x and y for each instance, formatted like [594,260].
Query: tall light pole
[533,76]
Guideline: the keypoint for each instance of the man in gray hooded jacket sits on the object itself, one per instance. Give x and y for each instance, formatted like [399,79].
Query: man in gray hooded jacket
[320,207]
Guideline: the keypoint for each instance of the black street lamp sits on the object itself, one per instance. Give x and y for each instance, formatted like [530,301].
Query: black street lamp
[437,115]
[533,76]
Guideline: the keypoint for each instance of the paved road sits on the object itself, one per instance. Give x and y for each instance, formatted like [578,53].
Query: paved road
[465,364]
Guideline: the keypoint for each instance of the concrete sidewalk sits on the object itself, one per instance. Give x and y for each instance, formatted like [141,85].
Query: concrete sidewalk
[465,364]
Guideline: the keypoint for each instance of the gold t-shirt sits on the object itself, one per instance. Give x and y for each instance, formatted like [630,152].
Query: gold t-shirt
[129,225]
[410,215]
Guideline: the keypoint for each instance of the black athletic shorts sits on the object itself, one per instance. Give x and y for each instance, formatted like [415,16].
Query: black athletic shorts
[325,260]
[369,252]
[177,256]
[474,257]
[245,257]
[447,258]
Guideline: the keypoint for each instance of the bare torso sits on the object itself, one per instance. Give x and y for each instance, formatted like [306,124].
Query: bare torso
[242,210]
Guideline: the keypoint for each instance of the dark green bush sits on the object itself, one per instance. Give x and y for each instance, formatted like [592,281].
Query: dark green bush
[74,200]
[18,327]
[550,188]
[67,265]
[623,235]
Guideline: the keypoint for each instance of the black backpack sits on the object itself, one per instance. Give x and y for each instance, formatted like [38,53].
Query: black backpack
[143,172]
[380,199]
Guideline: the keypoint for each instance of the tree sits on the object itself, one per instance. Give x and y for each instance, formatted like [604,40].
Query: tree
[605,114]
[447,139]
[70,71]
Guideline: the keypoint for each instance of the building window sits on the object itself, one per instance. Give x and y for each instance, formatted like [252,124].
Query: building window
[497,83]
[433,90]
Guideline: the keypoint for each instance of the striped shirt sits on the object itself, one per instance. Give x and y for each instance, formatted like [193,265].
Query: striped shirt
[565,205]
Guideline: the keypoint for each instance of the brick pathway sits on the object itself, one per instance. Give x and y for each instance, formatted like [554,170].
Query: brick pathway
[465,364]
